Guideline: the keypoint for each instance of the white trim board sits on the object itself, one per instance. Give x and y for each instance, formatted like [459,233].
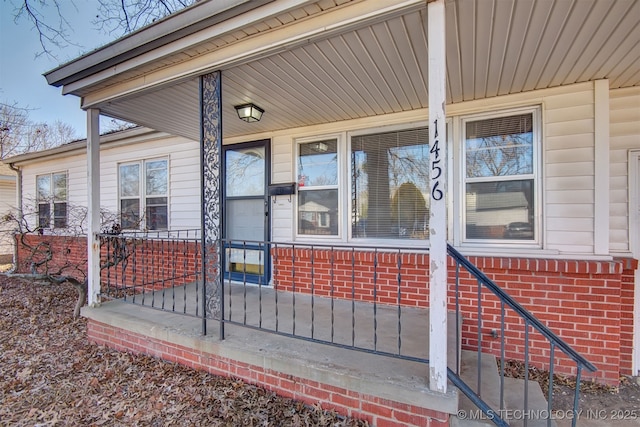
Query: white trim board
[634,246]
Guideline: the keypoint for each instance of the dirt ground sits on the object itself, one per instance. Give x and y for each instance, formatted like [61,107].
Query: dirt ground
[593,396]
[51,376]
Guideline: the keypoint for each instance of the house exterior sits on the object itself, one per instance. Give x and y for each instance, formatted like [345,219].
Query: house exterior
[536,163]
[8,202]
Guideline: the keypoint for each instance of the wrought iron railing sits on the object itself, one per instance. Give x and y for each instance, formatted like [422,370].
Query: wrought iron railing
[155,269]
[530,325]
[364,298]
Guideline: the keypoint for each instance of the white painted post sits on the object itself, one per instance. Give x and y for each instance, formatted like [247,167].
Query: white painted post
[93,205]
[438,207]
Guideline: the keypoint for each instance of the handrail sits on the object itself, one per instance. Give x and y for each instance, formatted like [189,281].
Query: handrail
[523,312]
[491,413]
[529,321]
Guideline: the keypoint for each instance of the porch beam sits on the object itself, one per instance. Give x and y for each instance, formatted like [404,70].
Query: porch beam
[93,203]
[438,208]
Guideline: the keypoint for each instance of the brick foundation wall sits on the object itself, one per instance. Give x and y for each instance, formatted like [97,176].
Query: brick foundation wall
[377,411]
[350,274]
[578,300]
[152,264]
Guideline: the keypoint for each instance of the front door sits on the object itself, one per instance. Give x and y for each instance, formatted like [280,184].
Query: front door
[246,212]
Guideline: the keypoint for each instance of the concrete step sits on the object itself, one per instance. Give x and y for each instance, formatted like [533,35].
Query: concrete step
[513,411]
[468,414]
[536,413]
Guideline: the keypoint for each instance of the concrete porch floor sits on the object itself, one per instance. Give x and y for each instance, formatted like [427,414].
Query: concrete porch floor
[385,377]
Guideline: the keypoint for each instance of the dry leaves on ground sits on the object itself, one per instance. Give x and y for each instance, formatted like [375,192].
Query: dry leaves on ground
[51,376]
[593,396]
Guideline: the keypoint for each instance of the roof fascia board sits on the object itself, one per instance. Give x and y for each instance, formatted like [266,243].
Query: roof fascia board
[247,50]
[125,137]
[226,26]
[173,27]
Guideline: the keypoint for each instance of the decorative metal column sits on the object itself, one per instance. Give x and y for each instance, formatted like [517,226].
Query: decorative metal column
[210,165]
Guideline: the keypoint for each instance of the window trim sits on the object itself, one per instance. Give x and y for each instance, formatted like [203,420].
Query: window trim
[142,196]
[52,201]
[345,234]
[339,137]
[536,175]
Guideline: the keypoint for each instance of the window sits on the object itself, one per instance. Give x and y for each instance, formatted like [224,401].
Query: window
[143,188]
[500,178]
[390,185]
[318,188]
[52,197]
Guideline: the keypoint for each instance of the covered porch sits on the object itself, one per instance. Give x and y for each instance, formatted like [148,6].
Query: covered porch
[335,67]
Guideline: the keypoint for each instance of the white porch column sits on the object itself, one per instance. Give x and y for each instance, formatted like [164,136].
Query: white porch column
[438,210]
[93,204]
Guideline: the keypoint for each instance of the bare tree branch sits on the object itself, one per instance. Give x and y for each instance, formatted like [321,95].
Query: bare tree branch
[118,17]
[19,135]
[52,32]
[51,260]
[125,16]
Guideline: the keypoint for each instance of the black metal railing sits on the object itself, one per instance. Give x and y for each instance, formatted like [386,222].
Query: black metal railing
[155,269]
[530,325]
[356,298]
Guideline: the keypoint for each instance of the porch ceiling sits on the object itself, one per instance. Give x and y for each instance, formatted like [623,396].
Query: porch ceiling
[494,47]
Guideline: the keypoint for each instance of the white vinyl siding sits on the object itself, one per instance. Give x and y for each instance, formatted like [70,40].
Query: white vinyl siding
[7,204]
[567,198]
[282,162]
[624,136]
[184,175]
[569,170]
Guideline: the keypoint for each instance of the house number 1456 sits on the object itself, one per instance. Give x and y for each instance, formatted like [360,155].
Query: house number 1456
[436,171]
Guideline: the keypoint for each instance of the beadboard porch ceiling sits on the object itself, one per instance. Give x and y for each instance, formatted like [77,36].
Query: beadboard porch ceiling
[377,64]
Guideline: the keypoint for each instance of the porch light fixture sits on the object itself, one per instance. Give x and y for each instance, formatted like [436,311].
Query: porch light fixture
[249,112]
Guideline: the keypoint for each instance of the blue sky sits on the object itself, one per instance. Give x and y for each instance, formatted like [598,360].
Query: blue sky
[21,72]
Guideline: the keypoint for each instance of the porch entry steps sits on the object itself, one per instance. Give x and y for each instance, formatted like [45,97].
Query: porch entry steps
[513,410]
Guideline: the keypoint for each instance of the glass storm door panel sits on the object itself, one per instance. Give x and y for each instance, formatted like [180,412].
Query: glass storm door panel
[246,215]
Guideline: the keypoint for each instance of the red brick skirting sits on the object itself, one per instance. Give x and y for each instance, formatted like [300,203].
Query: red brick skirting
[377,411]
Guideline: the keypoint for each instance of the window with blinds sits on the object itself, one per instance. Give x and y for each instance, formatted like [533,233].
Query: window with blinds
[390,185]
